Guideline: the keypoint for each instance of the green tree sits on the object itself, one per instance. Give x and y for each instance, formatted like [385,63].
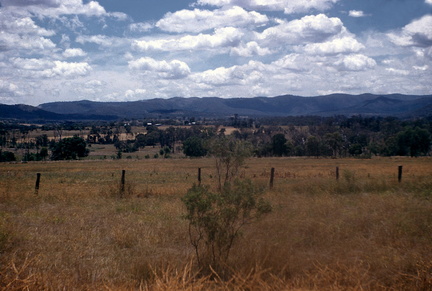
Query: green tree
[152,137]
[334,141]
[194,147]
[43,153]
[69,149]
[42,140]
[313,146]
[412,142]
[355,149]
[279,145]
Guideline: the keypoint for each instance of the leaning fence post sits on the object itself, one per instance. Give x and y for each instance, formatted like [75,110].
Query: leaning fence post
[272,177]
[199,176]
[122,183]
[38,175]
[337,173]
[400,173]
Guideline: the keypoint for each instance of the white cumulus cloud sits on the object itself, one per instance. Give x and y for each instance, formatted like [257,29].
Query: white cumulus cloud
[356,62]
[250,49]
[74,52]
[174,69]
[31,64]
[55,8]
[356,13]
[311,28]
[134,94]
[288,6]
[222,37]
[65,69]
[294,62]
[335,46]
[102,40]
[200,20]
[30,43]
[18,33]
[416,33]
[7,88]
[21,25]
[140,26]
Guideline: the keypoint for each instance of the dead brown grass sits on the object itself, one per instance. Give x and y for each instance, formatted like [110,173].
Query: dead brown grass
[363,232]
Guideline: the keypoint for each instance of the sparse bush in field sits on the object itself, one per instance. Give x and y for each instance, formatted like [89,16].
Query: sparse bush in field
[215,219]
[230,155]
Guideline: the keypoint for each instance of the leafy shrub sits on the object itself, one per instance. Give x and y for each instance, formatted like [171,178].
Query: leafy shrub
[215,219]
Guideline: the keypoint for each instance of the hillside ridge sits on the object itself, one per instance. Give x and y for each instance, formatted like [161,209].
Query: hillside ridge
[397,105]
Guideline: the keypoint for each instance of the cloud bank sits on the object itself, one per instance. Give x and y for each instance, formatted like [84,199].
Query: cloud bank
[73,49]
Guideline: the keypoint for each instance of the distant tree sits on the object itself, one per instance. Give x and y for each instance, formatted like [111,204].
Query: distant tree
[6,156]
[194,147]
[42,141]
[334,141]
[313,146]
[43,153]
[69,149]
[413,142]
[355,149]
[140,141]
[152,138]
[279,145]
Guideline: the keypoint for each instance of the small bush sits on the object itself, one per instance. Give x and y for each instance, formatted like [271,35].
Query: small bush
[215,219]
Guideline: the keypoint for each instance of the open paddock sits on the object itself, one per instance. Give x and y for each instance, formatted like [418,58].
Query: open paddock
[365,230]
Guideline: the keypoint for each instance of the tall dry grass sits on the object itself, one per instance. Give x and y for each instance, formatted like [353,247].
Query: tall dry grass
[365,231]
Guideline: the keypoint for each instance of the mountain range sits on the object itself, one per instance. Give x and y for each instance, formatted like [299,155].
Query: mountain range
[398,105]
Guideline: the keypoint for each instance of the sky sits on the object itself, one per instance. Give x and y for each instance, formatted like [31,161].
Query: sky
[127,50]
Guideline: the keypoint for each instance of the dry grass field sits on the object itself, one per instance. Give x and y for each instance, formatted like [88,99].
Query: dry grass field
[365,231]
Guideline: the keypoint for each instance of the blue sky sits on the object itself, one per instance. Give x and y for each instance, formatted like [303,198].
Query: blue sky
[110,50]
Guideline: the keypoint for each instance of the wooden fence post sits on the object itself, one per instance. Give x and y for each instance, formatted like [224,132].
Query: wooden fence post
[337,173]
[38,175]
[199,176]
[400,173]
[272,177]
[122,183]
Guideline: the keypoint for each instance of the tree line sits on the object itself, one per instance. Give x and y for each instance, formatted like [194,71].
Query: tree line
[337,136]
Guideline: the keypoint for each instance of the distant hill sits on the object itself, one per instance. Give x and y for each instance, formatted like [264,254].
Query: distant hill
[288,105]
[30,113]
[213,107]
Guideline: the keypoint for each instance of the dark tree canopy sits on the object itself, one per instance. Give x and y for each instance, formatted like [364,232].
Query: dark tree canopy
[69,149]
[194,147]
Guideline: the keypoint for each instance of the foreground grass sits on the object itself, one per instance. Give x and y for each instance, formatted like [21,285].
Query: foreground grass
[365,231]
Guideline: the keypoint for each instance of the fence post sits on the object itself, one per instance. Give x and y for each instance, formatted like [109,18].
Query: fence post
[337,173]
[199,176]
[122,183]
[38,175]
[272,177]
[400,173]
